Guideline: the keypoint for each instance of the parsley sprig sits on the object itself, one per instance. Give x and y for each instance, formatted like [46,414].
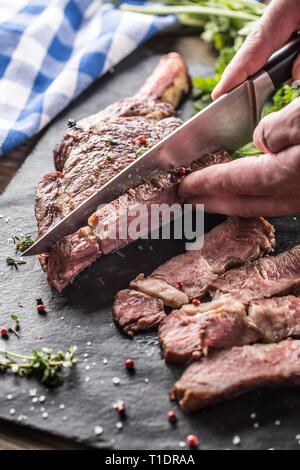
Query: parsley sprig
[44,364]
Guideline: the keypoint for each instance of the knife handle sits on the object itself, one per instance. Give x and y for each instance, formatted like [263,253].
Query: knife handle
[279,67]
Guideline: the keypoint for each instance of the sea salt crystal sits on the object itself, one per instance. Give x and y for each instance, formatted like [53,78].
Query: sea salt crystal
[32,392]
[35,400]
[45,415]
[98,430]
[85,355]
[12,411]
[253,415]
[256,425]
[87,379]
[105,361]
[277,422]
[61,406]
[181,444]
[146,381]
[119,425]
[297,437]
[42,398]
[116,380]
[43,409]
[64,418]
[87,367]
[9,396]
[236,440]
[88,343]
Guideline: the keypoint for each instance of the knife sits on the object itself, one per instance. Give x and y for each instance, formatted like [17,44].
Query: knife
[228,123]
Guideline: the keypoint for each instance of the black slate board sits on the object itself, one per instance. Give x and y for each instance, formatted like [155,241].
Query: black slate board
[81,315]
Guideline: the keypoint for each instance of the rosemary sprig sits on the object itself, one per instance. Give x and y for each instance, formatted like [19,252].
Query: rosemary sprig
[44,364]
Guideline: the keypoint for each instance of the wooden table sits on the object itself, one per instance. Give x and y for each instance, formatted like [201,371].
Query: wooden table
[193,50]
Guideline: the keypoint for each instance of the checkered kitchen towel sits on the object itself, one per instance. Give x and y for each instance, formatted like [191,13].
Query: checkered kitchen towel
[51,50]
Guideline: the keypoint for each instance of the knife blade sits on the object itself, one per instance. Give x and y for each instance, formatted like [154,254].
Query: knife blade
[228,123]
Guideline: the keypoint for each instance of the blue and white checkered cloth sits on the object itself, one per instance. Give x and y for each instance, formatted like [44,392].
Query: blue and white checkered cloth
[51,50]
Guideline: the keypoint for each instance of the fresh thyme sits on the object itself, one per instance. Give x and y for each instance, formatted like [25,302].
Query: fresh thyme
[16,326]
[14,262]
[44,364]
[22,244]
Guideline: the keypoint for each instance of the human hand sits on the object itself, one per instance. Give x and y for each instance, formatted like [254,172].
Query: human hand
[268,185]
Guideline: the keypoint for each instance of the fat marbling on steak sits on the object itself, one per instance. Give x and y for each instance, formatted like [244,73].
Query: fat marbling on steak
[192,331]
[187,276]
[226,374]
[267,277]
[94,150]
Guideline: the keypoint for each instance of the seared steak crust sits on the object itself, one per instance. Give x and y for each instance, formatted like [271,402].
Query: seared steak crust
[226,374]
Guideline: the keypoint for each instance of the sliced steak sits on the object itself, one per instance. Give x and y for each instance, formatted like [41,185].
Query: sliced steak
[231,243]
[109,222]
[230,373]
[277,318]
[95,149]
[267,277]
[134,311]
[191,332]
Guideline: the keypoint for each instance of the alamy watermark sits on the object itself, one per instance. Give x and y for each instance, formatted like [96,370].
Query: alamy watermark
[153,222]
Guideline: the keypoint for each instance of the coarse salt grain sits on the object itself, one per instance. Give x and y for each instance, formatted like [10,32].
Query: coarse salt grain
[256,425]
[116,380]
[45,415]
[181,444]
[253,415]
[277,422]
[236,440]
[105,361]
[119,425]
[9,396]
[12,411]
[98,430]
[42,398]
[61,406]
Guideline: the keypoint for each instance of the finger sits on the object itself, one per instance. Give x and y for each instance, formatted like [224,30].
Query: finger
[246,176]
[279,21]
[279,130]
[242,206]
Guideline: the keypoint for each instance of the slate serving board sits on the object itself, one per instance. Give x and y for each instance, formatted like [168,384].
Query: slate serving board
[81,315]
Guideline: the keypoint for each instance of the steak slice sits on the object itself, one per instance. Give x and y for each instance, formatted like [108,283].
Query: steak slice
[277,318]
[226,374]
[108,222]
[267,277]
[97,148]
[231,243]
[134,311]
[191,332]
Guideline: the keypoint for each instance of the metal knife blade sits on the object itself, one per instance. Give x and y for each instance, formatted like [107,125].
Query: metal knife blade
[227,123]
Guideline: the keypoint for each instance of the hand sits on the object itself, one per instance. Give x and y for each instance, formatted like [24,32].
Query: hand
[280,20]
[255,186]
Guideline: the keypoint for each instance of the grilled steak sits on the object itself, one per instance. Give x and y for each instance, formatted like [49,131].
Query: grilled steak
[230,244]
[134,311]
[95,149]
[229,373]
[277,318]
[190,332]
[268,277]
[137,204]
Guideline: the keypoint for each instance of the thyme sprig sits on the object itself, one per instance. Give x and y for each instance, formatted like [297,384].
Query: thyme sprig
[16,326]
[22,244]
[10,261]
[44,364]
